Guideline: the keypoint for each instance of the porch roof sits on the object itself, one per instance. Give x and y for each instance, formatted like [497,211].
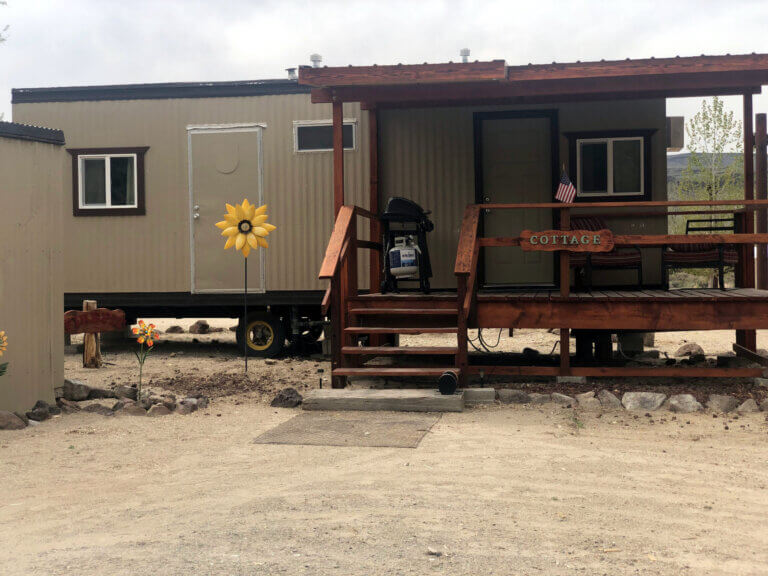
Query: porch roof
[424,84]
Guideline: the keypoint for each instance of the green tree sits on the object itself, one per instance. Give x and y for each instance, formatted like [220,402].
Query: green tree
[712,173]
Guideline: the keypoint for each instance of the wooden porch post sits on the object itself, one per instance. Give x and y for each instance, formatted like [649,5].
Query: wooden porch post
[338,157]
[748,338]
[373,198]
[565,290]
[761,193]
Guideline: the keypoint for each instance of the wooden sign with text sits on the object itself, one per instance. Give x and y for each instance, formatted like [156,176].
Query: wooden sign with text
[570,240]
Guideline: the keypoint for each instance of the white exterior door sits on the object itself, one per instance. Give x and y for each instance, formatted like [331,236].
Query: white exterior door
[225,166]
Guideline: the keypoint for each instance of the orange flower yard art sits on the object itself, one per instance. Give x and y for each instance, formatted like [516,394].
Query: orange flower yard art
[246,228]
[146,335]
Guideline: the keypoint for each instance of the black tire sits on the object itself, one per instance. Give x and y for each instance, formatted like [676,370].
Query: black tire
[267,335]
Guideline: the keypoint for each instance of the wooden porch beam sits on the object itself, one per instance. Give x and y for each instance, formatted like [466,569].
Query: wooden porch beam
[748,338]
[761,193]
[338,156]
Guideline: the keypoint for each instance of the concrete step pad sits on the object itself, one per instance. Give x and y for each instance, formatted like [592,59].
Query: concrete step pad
[394,400]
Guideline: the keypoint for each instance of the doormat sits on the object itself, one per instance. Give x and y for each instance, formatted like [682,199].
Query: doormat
[371,429]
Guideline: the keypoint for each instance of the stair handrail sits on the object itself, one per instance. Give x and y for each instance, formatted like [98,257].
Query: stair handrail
[467,255]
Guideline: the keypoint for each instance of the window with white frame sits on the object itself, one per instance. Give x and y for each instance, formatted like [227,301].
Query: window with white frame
[108,181]
[611,166]
[317,135]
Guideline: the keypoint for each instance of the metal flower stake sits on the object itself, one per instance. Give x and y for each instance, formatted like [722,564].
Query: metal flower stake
[147,335]
[3,348]
[245,227]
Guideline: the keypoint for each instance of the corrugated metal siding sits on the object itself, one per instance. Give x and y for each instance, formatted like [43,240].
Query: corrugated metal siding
[31,296]
[427,155]
[152,253]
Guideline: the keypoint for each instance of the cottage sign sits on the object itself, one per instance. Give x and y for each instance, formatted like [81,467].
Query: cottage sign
[569,240]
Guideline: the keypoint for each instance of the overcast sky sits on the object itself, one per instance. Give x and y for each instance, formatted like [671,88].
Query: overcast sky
[84,42]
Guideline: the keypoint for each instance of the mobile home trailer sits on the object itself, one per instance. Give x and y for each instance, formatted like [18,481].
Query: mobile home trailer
[151,169]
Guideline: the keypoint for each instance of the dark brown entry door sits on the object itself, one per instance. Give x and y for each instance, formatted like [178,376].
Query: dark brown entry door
[517,168]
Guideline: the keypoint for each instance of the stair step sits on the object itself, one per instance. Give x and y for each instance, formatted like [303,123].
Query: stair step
[404,311]
[370,330]
[386,371]
[393,351]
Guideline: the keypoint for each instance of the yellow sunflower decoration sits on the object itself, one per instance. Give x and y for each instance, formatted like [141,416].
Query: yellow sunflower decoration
[245,227]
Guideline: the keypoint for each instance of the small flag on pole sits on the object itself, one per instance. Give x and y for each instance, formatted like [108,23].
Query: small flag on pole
[566,192]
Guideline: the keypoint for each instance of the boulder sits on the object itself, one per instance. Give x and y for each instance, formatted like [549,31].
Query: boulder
[98,409]
[101,393]
[588,403]
[9,421]
[200,327]
[608,400]
[722,403]
[507,396]
[287,398]
[22,416]
[133,410]
[690,349]
[67,406]
[39,413]
[126,392]
[538,398]
[75,390]
[643,400]
[563,400]
[158,410]
[748,407]
[175,329]
[684,404]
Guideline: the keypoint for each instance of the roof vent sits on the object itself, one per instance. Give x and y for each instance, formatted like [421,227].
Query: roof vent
[315,59]
[464,53]
[291,73]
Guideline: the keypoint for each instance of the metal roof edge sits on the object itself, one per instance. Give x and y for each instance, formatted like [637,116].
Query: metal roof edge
[18,131]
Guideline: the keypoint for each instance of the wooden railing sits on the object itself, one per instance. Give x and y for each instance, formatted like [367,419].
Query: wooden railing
[340,266]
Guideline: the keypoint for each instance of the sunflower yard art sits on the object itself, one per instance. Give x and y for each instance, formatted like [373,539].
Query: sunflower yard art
[146,337]
[3,348]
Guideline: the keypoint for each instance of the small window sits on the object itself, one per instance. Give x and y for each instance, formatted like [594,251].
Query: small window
[318,136]
[108,181]
[611,166]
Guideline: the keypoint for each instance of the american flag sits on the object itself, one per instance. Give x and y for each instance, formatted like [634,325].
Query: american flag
[566,192]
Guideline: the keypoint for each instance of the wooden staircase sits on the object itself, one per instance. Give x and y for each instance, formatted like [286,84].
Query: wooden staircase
[383,316]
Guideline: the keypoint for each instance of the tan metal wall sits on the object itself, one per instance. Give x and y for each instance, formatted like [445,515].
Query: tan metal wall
[152,253]
[31,294]
[427,155]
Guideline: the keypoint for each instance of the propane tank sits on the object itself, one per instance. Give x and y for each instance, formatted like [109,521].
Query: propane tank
[404,257]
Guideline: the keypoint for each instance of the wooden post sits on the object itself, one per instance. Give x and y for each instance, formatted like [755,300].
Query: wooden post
[565,291]
[748,338]
[373,199]
[761,193]
[338,157]
[91,342]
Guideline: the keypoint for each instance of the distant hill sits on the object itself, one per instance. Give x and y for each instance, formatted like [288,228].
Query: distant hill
[676,163]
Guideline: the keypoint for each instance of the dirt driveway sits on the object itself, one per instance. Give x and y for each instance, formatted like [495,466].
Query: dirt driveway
[501,490]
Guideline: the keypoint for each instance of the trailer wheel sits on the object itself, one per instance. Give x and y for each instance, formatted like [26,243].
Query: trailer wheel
[263,335]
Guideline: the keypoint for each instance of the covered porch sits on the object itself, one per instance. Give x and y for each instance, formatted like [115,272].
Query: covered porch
[366,323]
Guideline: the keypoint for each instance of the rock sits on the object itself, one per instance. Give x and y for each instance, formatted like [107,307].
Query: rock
[584,395]
[75,390]
[563,400]
[101,393]
[202,402]
[696,359]
[538,398]
[23,417]
[270,361]
[98,409]
[126,392]
[133,410]
[730,360]
[690,349]
[287,398]
[200,327]
[175,329]
[722,403]
[9,421]
[169,403]
[148,401]
[67,406]
[119,405]
[643,400]
[608,400]
[589,404]
[507,396]
[683,404]
[158,410]
[39,413]
[748,407]
[186,407]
